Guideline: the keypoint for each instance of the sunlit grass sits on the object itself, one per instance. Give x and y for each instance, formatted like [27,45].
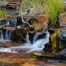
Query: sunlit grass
[53,8]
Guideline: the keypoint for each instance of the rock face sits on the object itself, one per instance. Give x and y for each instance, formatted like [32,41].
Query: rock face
[63,52]
[28,64]
[16,0]
[62,19]
[43,19]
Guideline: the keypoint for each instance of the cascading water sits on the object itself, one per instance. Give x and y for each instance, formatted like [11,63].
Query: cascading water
[7,37]
[38,42]
[37,45]
[27,39]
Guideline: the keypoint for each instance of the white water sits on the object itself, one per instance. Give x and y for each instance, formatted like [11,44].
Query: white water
[4,40]
[37,45]
[7,50]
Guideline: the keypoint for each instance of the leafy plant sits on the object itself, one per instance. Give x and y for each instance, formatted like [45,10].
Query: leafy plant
[53,8]
[3,14]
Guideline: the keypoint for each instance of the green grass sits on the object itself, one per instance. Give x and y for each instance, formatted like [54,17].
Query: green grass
[53,8]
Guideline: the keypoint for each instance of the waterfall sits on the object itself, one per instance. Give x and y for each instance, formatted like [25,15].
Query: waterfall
[27,39]
[42,40]
[35,37]
[36,46]
[1,38]
[37,43]
[7,37]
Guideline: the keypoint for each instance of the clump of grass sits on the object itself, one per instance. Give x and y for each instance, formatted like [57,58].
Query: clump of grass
[53,8]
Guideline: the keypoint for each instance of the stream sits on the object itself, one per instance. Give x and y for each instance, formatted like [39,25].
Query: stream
[34,43]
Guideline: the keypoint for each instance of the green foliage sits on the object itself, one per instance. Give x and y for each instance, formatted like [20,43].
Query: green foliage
[3,14]
[53,8]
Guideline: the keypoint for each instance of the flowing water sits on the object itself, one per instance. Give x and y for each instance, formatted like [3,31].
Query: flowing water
[7,37]
[39,40]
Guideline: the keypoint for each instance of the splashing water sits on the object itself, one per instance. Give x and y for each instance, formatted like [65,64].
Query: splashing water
[37,45]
